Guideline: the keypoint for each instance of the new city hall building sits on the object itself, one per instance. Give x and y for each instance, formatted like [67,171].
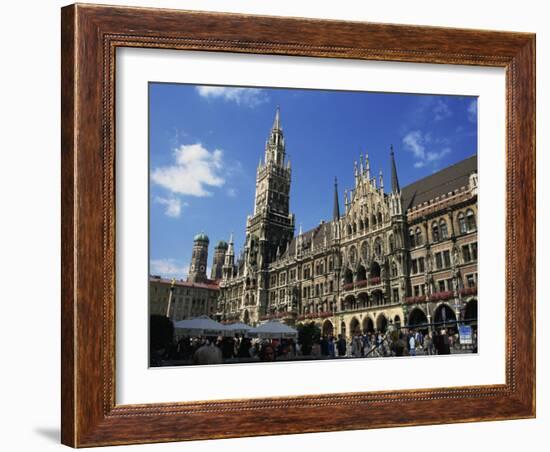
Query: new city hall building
[406,257]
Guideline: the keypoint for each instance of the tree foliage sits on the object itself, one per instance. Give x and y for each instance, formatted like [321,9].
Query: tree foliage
[161,332]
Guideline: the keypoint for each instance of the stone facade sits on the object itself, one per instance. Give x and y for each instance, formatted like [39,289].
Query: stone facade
[405,256]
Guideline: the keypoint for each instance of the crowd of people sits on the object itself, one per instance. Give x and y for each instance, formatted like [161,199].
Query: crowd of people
[218,350]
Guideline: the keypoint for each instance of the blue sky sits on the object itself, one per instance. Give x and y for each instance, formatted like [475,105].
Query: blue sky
[205,143]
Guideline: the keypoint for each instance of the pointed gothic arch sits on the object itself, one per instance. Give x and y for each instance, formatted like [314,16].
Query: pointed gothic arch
[368,325]
[375,270]
[348,276]
[361,273]
[381,323]
[444,315]
[397,322]
[327,328]
[354,326]
[417,318]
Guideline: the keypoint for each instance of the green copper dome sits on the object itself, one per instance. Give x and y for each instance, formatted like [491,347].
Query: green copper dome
[202,237]
[222,244]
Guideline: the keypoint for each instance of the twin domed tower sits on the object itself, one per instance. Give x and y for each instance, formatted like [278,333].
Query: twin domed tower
[199,259]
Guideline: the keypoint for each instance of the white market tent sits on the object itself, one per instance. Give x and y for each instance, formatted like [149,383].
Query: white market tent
[199,326]
[237,328]
[273,330]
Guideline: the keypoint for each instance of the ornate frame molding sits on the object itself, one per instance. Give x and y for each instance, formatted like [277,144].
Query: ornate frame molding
[90,37]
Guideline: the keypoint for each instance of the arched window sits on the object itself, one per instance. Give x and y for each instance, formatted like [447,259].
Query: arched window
[435,232]
[378,248]
[330,265]
[354,228]
[348,229]
[366,223]
[392,243]
[379,217]
[470,220]
[361,225]
[418,237]
[373,220]
[443,233]
[412,241]
[394,269]
[461,223]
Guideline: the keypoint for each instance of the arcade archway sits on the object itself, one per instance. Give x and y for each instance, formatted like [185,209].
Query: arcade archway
[328,328]
[418,320]
[444,317]
[354,327]
[381,323]
[368,325]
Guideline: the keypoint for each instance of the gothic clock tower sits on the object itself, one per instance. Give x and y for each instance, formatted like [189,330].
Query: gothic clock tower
[271,228]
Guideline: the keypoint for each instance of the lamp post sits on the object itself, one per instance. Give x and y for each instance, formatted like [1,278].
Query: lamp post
[170,297]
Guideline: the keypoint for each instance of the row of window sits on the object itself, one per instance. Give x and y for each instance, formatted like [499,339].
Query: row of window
[439,230]
[320,307]
[318,289]
[364,224]
[417,265]
[443,259]
[319,269]
[444,285]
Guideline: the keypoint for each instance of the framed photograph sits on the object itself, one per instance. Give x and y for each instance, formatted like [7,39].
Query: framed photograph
[282,225]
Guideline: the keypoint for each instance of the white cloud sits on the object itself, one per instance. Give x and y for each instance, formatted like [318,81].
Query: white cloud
[195,169]
[441,110]
[435,156]
[173,206]
[249,97]
[232,192]
[413,141]
[472,111]
[168,268]
[416,143]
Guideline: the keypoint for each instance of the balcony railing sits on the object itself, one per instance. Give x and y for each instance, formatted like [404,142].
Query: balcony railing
[348,286]
[278,315]
[416,299]
[441,296]
[361,283]
[315,315]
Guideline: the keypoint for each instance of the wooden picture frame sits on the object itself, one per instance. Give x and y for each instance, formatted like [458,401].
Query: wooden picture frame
[90,36]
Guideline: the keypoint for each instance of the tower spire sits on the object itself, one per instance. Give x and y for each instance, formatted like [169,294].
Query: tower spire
[336,207]
[275,146]
[277,121]
[394,180]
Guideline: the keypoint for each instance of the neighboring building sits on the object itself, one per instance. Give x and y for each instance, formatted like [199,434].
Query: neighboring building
[198,295]
[407,257]
[186,299]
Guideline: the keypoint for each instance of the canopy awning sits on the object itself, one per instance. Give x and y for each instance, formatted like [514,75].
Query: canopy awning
[199,326]
[238,327]
[273,330]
